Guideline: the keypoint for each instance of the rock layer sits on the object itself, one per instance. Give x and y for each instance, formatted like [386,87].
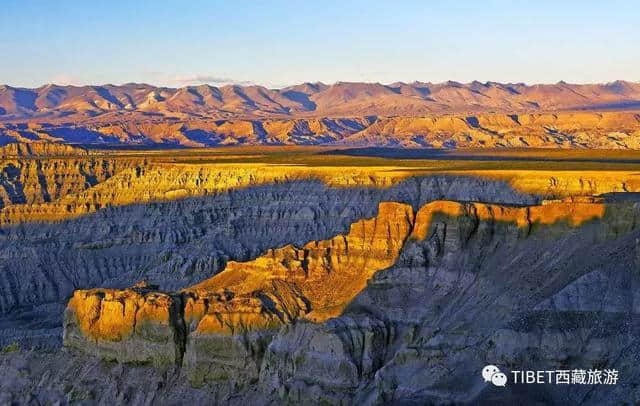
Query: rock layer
[115,320]
[177,243]
[476,292]
[313,282]
[48,189]
[280,321]
[28,183]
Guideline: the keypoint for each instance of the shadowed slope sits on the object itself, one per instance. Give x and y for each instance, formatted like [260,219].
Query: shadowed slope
[180,242]
[314,282]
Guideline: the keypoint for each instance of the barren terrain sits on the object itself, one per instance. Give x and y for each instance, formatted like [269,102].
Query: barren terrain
[321,275]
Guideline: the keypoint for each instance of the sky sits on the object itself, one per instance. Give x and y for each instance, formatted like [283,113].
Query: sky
[279,43]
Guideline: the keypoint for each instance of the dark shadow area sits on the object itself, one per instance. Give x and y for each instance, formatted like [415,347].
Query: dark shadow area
[77,135]
[26,99]
[209,139]
[105,94]
[623,105]
[476,293]
[174,244]
[301,98]
[621,197]
[194,92]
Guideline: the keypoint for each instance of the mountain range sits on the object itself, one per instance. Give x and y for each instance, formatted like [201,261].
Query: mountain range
[343,99]
[415,115]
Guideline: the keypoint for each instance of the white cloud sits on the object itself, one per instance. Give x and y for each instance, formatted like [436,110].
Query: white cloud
[66,79]
[202,79]
[193,79]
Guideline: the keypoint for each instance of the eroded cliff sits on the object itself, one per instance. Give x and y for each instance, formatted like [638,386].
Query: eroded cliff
[478,289]
[279,321]
[322,297]
[180,242]
[48,189]
[313,282]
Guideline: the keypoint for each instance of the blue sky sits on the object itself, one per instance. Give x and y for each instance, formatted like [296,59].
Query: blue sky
[277,43]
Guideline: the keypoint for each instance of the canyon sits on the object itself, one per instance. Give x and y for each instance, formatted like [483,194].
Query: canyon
[276,276]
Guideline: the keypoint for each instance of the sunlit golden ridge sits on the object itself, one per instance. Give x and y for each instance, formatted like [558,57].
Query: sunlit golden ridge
[313,282]
[51,189]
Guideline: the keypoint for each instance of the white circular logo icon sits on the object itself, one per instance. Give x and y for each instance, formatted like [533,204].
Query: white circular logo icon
[491,373]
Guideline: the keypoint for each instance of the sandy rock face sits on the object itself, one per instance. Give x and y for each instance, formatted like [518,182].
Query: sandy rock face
[352,318]
[251,299]
[132,325]
[327,274]
[478,290]
[178,243]
[235,314]
[28,183]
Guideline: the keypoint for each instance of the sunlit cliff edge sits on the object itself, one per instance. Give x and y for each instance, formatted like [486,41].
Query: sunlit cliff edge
[55,189]
[229,330]
[313,282]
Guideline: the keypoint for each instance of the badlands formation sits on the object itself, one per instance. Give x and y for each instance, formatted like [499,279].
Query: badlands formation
[288,276]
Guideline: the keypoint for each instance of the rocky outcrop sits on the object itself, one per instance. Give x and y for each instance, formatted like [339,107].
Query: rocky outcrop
[178,243]
[233,314]
[448,287]
[27,182]
[41,149]
[134,325]
[478,290]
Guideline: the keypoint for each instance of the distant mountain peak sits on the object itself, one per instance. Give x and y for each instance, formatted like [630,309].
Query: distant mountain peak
[346,99]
